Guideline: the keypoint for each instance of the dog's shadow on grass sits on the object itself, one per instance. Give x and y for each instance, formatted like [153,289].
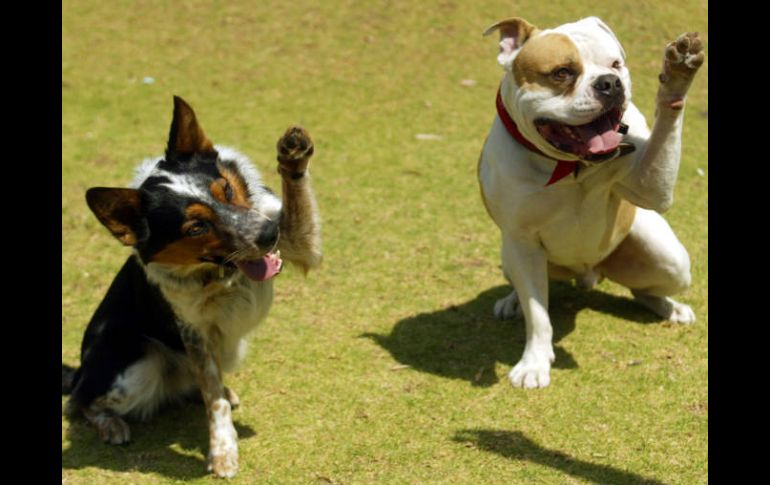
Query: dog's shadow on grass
[466,341]
[514,445]
[173,444]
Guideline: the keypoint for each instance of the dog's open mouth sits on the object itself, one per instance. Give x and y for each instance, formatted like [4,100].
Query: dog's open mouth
[261,269]
[594,142]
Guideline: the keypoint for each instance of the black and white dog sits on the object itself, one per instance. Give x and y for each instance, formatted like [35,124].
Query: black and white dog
[208,237]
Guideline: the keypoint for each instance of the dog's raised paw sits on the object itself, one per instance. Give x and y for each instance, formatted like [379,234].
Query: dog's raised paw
[294,149]
[681,61]
[508,308]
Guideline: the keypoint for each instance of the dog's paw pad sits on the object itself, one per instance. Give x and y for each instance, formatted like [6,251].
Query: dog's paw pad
[681,61]
[113,430]
[682,314]
[295,144]
[508,308]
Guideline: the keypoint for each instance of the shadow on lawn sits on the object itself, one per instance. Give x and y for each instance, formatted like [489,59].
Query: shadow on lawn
[150,449]
[515,446]
[466,341]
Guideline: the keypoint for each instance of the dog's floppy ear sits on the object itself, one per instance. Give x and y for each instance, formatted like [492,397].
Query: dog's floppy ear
[119,210]
[514,32]
[186,136]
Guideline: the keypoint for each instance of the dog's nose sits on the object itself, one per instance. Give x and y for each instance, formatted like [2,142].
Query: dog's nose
[608,85]
[268,235]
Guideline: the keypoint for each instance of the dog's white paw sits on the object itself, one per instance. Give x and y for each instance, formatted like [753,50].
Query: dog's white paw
[224,465]
[682,313]
[223,456]
[223,441]
[667,308]
[508,307]
[533,370]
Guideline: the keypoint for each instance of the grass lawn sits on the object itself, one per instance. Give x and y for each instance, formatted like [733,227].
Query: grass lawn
[386,364]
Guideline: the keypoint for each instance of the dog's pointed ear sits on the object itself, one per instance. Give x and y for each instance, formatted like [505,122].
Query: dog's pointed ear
[119,210]
[514,32]
[186,136]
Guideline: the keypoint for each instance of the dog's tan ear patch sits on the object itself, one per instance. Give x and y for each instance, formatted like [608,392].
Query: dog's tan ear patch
[186,135]
[119,210]
[514,32]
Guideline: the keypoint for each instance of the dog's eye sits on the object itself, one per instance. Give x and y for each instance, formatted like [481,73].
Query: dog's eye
[228,191]
[196,228]
[562,73]
[616,65]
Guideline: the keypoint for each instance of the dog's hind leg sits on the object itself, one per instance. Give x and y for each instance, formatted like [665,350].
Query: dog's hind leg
[508,308]
[232,398]
[300,228]
[654,265]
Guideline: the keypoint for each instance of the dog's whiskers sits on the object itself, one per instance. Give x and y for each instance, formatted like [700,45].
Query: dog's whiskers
[238,252]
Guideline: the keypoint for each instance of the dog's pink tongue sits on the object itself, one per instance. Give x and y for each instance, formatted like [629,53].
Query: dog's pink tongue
[600,136]
[261,269]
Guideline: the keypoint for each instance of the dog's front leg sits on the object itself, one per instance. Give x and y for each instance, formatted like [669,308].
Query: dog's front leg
[203,352]
[525,262]
[650,183]
[300,240]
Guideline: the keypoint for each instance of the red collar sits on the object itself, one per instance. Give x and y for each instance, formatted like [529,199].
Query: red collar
[563,167]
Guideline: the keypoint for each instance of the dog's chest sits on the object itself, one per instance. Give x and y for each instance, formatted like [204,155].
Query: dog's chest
[584,229]
[234,308]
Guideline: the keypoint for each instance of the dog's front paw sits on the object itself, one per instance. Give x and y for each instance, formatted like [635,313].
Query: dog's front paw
[224,465]
[508,307]
[223,455]
[533,370]
[294,149]
[223,440]
[681,61]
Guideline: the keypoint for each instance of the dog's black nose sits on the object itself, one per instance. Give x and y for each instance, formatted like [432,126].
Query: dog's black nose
[608,85]
[268,235]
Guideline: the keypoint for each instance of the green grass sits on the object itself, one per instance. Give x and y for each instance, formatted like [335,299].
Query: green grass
[384,366]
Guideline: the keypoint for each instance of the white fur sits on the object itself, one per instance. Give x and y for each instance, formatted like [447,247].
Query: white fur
[223,439]
[570,223]
[235,305]
[269,205]
[159,377]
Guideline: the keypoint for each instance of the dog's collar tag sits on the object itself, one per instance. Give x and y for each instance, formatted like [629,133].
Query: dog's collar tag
[563,167]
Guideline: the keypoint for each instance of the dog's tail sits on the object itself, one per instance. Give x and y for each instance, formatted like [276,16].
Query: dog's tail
[68,375]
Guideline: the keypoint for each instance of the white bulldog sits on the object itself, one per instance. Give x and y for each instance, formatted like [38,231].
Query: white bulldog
[574,178]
